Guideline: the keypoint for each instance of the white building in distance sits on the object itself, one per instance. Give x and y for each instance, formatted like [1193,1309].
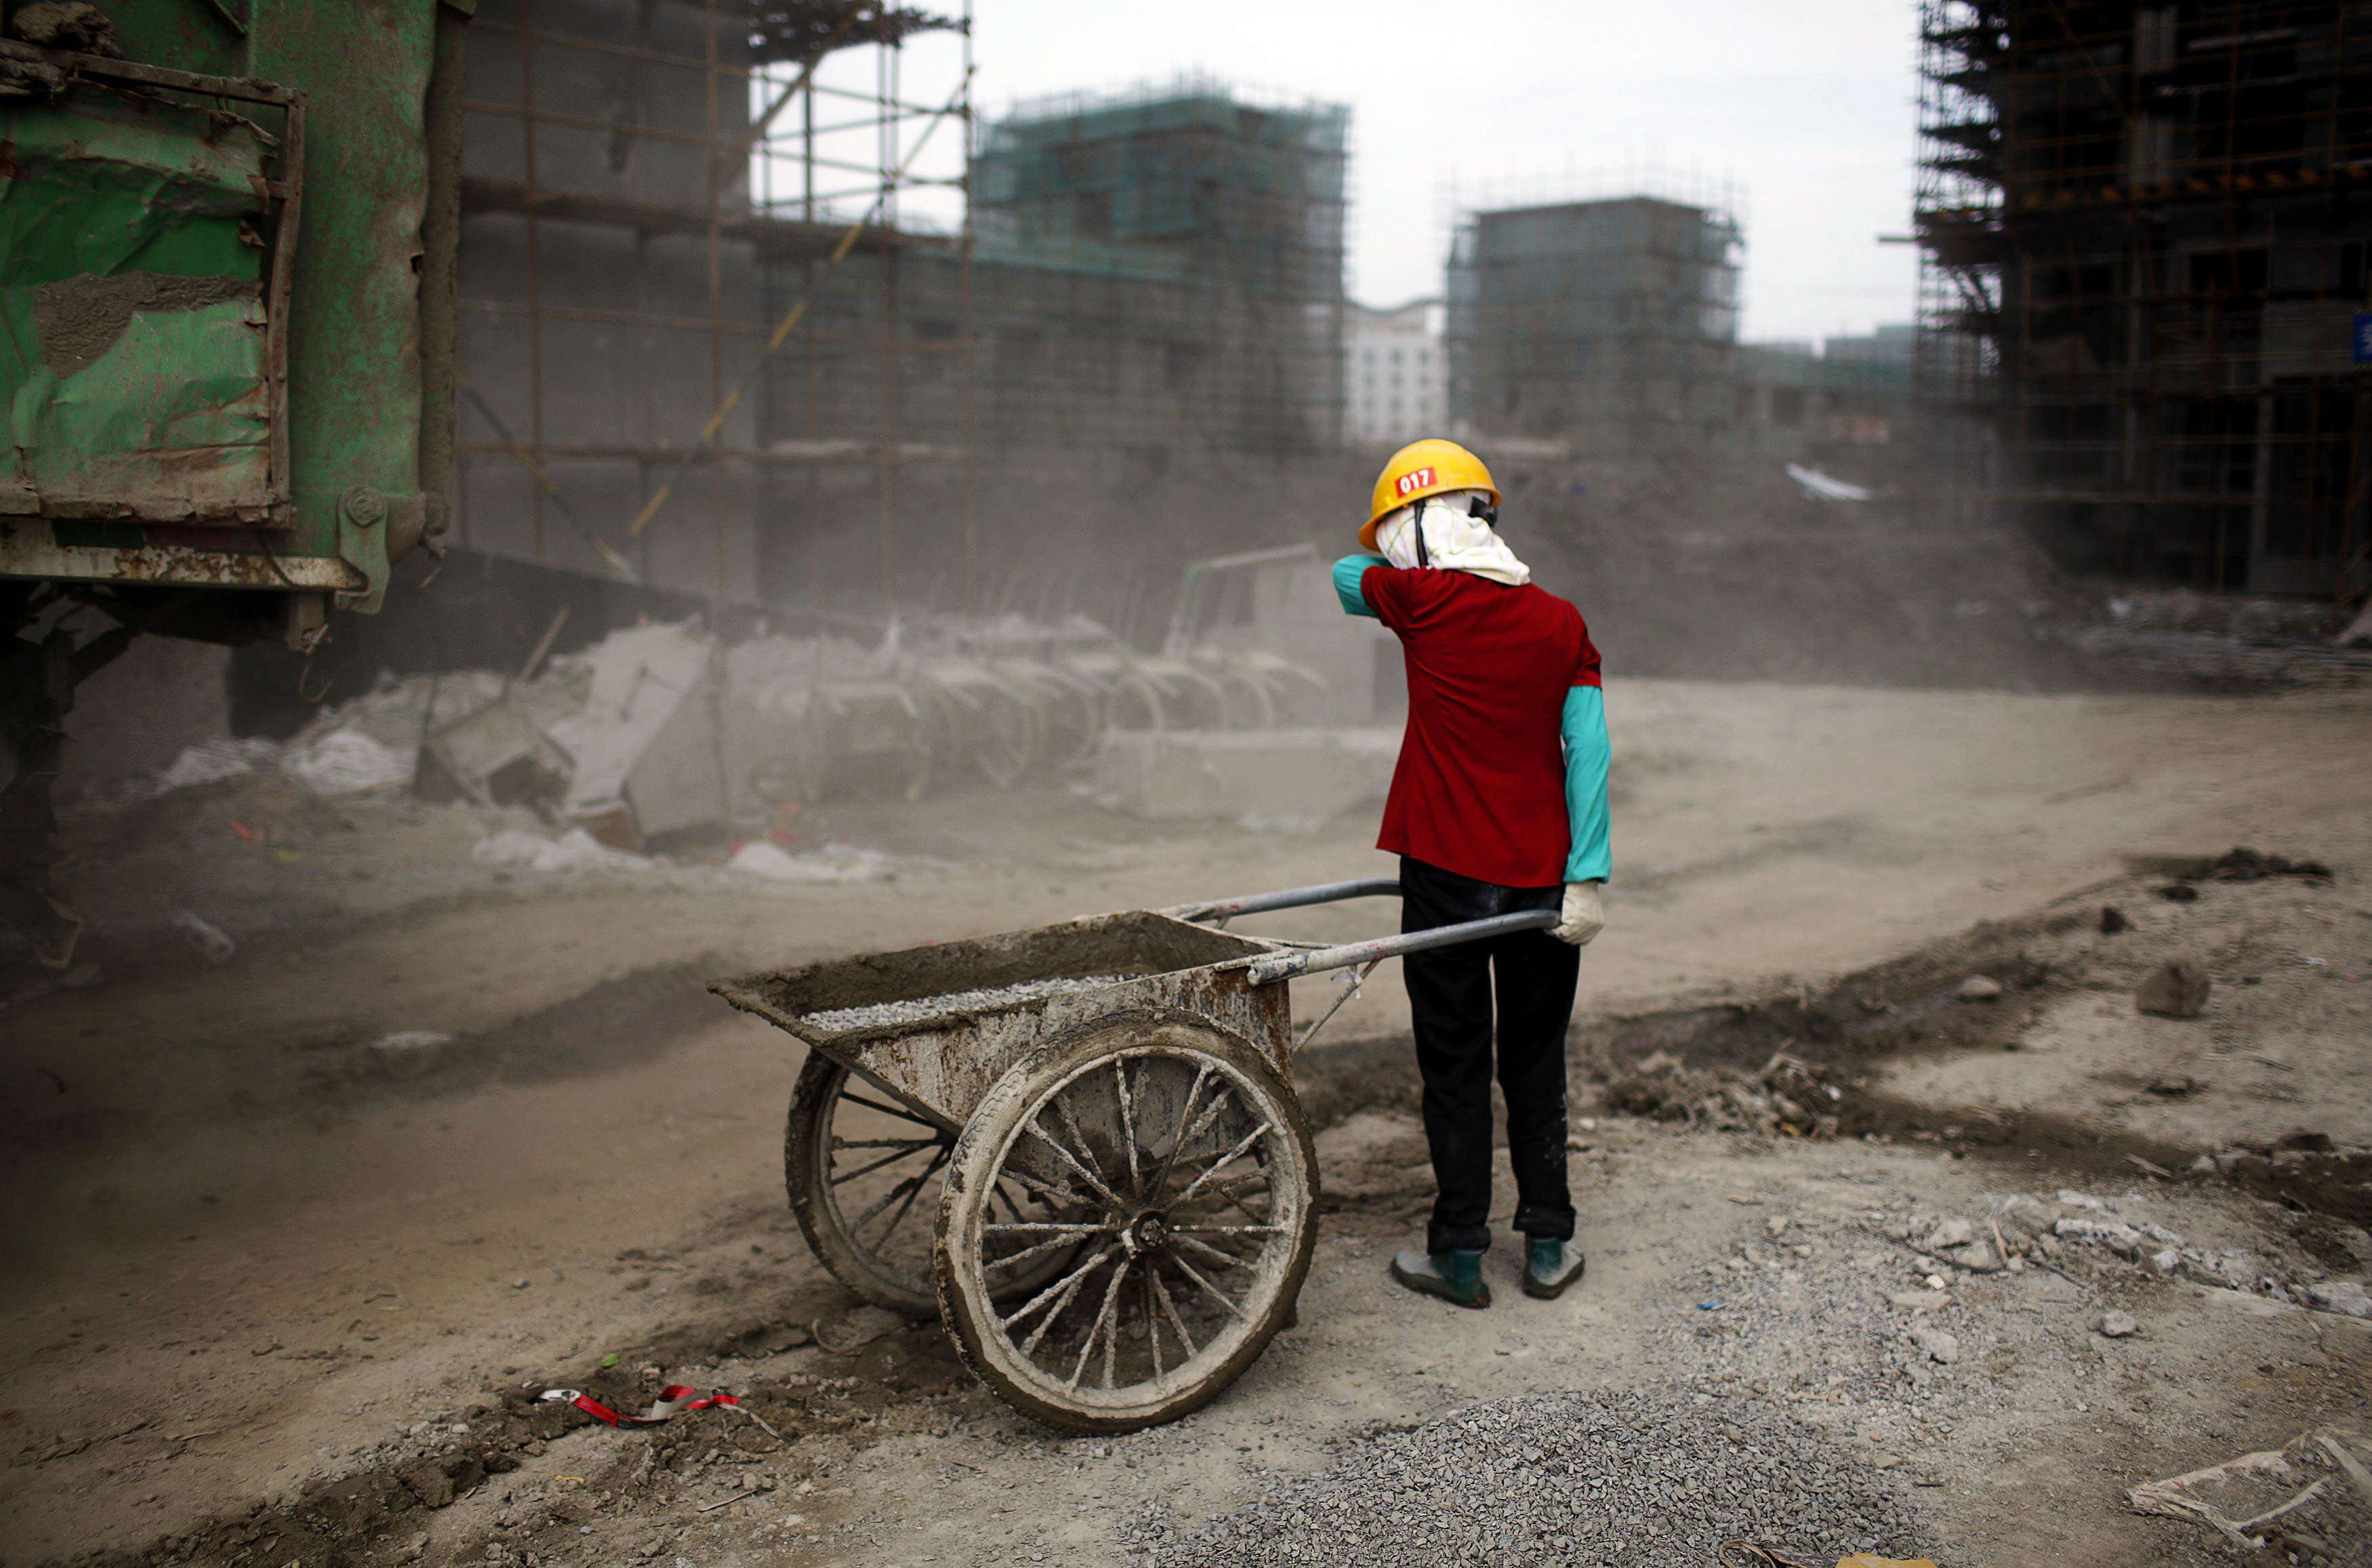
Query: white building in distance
[1396,376]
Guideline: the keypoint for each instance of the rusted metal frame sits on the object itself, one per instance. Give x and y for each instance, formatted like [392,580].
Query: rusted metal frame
[30,546]
[248,89]
[1290,966]
[529,256]
[281,486]
[1290,898]
[755,138]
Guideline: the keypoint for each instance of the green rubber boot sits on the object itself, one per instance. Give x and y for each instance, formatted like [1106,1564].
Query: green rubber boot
[1455,1277]
[1550,1266]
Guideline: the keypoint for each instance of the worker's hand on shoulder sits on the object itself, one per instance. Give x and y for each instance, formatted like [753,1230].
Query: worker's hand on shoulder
[1582,917]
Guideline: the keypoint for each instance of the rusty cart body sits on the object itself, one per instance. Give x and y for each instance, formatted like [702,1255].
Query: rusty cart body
[1078,1144]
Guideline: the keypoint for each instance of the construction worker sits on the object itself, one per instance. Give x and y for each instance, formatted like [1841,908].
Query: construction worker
[1497,804]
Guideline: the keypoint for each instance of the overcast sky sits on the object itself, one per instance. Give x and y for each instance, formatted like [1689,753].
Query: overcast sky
[1807,105]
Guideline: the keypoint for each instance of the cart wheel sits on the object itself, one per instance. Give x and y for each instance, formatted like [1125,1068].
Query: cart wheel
[1005,745]
[864,1177]
[1181,1157]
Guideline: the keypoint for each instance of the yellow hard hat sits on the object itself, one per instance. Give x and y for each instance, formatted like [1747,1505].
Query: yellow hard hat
[1421,468]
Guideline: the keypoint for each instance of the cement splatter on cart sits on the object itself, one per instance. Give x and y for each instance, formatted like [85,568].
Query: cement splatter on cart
[1079,1144]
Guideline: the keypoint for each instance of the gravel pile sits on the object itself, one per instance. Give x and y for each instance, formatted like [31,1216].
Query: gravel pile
[925,1007]
[1576,1478]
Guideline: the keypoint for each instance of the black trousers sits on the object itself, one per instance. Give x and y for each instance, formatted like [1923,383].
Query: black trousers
[1530,975]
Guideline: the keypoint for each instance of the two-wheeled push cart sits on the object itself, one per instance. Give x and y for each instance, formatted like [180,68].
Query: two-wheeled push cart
[1079,1146]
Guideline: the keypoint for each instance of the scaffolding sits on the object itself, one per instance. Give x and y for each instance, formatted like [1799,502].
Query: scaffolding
[656,196]
[2144,232]
[1203,222]
[1610,323]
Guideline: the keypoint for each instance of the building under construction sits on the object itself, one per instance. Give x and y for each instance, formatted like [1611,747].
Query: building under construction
[1610,324]
[746,295]
[2144,233]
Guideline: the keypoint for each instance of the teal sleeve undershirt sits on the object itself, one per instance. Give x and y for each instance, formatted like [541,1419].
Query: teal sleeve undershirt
[1347,573]
[1588,756]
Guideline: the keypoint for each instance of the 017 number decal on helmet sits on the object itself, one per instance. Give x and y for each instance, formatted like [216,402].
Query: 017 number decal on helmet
[1416,479]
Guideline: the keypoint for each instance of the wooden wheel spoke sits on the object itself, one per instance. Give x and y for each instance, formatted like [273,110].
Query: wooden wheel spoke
[1104,1319]
[1177,1142]
[1053,1197]
[1226,1189]
[839,1143]
[1061,1288]
[1209,1115]
[1127,1126]
[1262,1130]
[1065,1155]
[1212,1252]
[914,1190]
[1085,1151]
[1015,1259]
[1177,1320]
[1049,1227]
[1152,1323]
[907,1154]
[893,1110]
[1215,1293]
[1226,1230]
[909,1190]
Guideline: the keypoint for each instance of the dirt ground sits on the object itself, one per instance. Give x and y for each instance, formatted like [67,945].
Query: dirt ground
[284,1284]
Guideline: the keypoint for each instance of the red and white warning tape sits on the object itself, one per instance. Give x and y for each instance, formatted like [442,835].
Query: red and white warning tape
[673,1401]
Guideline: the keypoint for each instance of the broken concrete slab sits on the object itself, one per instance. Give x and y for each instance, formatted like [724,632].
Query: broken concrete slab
[647,739]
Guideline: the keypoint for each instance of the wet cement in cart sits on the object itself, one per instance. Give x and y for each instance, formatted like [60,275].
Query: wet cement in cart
[921,1009]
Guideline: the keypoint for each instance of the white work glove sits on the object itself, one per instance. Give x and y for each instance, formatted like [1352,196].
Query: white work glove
[1581,918]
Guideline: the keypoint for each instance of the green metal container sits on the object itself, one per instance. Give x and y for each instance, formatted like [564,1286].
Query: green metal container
[227,263]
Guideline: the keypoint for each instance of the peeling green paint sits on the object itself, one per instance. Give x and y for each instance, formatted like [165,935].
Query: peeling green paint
[132,364]
[135,275]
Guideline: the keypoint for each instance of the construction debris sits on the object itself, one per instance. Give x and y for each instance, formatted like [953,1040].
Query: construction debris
[1785,1097]
[659,731]
[2177,990]
[2312,1491]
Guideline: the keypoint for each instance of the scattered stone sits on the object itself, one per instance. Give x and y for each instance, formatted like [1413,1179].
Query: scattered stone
[1980,988]
[2177,990]
[2179,892]
[1978,1257]
[1647,1475]
[2346,1297]
[2244,864]
[2117,1325]
[1950,1233]
[2113,921]
[1938,1346]
[2174,1085]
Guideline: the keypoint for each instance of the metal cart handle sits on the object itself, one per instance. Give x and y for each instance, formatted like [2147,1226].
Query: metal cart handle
[1291,899]
[1290,966]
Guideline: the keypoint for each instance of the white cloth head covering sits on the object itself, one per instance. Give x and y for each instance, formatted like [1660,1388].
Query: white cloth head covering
[1454,539]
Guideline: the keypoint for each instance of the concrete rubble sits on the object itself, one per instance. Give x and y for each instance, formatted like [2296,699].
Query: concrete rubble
[659,731]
